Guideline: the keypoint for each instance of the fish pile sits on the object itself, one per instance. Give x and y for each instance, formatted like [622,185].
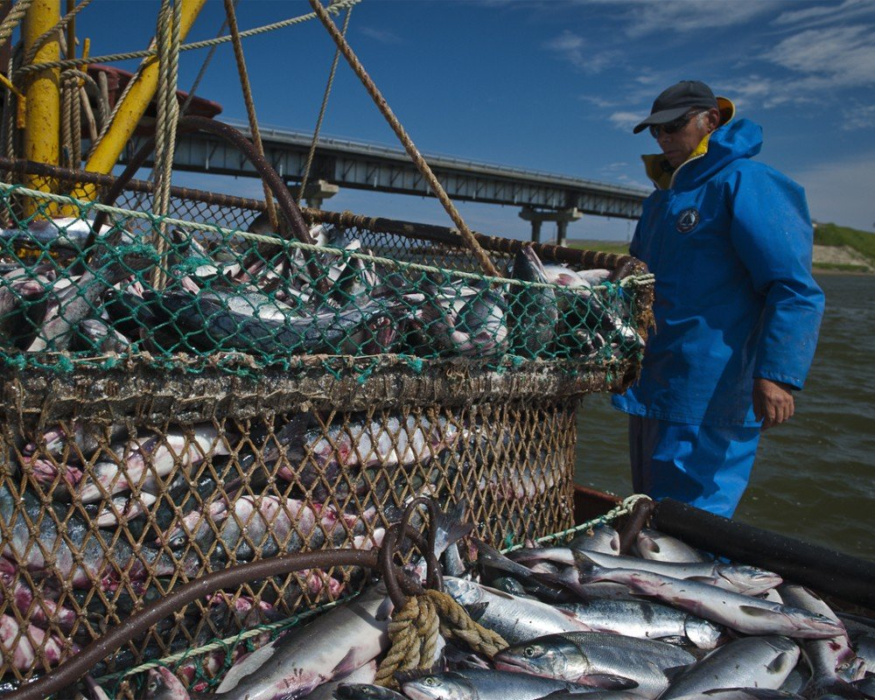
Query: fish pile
[96,520]
[125,513]
[665,621]
[273,302]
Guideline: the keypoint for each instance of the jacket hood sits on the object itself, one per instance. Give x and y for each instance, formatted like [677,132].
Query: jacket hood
[732,140]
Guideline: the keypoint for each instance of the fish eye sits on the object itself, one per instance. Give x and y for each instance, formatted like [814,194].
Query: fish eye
[530,652]
[431,681]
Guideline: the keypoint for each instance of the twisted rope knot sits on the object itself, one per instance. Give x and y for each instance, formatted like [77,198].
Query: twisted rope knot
[414,632]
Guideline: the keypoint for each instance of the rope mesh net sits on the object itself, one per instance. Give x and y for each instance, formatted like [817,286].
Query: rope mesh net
[268,396]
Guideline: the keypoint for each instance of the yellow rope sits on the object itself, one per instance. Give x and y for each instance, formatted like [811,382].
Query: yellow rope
[414,635]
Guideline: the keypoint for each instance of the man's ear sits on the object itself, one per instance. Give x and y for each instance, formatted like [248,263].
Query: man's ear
[713,119]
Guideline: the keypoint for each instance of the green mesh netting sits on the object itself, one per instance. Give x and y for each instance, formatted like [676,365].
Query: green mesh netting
[181,397]
[169,287]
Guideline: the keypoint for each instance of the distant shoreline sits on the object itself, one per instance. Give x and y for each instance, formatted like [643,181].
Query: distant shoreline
[832,271]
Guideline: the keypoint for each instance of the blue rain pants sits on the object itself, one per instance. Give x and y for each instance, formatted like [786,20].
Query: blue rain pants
[707,466]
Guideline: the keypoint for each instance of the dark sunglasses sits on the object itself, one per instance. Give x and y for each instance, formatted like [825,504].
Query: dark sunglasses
[673,127]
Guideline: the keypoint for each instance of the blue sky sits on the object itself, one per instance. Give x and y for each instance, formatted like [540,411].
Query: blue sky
[551,85]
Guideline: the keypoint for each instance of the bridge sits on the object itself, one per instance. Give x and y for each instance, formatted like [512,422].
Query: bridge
[360,165]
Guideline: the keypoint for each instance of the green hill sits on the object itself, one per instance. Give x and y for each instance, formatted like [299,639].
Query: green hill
[603,246]
[834,235]
[825,234]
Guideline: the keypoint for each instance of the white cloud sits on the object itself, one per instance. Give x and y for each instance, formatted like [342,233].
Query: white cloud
[815,15]
[858,117]
[647,17]
[841,191]
[845,54]
[625,120]
[571,47]
[381,35]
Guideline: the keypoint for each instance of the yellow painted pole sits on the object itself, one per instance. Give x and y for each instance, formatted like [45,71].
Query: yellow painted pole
[129,113]
[43,98]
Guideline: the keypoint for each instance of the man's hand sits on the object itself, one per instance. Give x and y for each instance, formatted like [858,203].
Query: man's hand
[773,402]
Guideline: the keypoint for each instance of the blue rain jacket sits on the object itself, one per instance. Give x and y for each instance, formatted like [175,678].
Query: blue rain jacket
[729,241]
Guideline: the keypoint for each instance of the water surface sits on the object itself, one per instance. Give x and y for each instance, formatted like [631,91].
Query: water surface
[814,478]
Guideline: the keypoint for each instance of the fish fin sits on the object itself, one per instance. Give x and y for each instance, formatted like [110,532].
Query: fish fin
[451,524]
[608,681]
[677,640]
[755,611]
[291,436]
[587,569]
[476,610]
[490,557]
[346,665]
[673,671]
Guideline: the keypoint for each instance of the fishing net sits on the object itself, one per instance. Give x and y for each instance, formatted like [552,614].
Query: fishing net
[186,393]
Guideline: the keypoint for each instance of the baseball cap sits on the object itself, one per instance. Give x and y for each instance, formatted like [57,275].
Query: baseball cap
[676,101]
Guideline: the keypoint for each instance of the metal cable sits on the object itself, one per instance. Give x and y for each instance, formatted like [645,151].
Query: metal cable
[150,52]
[250,105]
[409,146]
[322,110]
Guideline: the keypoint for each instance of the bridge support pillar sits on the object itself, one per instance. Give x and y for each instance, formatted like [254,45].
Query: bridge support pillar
[562,217]
[315,192]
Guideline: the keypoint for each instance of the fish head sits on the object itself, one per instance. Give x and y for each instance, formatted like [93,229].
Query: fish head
[550,657]
[749,580]
[439,686]
[703,633]
[364,691]
[161,684]
[601,538]
[464,592]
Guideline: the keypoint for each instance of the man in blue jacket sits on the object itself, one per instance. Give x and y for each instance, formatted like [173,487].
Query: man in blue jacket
[737,311]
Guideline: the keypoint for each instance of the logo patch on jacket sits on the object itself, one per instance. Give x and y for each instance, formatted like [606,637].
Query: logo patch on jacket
[687,220]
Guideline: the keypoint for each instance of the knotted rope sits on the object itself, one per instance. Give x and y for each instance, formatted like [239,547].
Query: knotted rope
[418,620]
[414,634]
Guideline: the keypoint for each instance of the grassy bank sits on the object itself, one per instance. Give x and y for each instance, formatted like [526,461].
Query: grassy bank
[824,234]
[835,235]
